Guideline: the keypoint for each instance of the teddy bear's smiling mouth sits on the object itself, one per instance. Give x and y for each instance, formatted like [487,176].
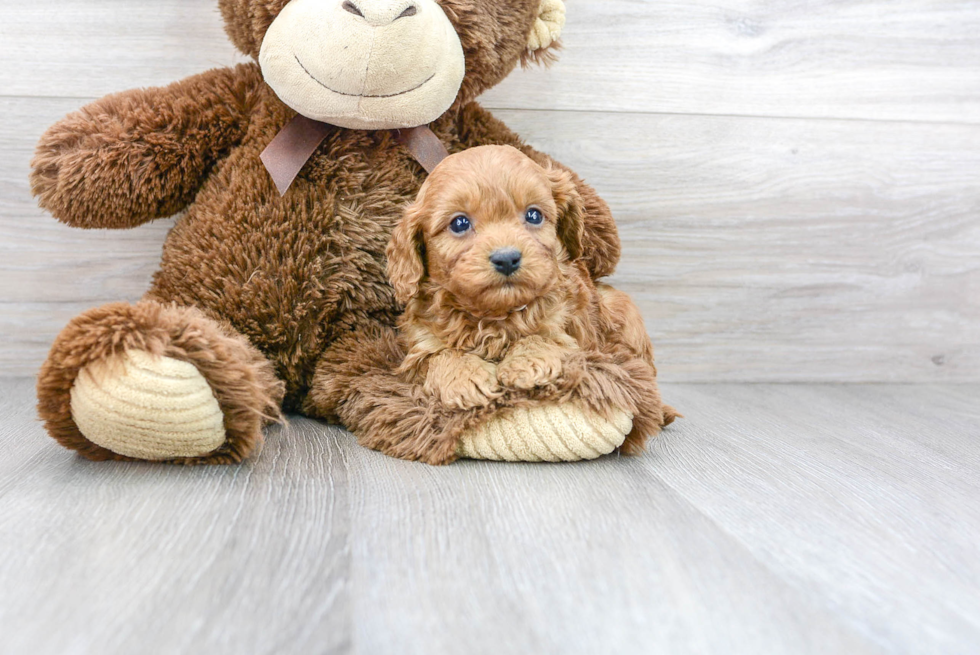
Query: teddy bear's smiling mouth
[360,95]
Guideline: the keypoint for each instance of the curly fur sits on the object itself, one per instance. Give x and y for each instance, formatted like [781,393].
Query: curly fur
[459,307]
[471,343]
[395,416]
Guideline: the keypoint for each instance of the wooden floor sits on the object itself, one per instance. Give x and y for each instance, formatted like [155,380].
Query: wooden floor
[774,519]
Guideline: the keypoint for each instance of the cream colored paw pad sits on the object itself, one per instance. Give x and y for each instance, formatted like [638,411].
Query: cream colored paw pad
[548,26]
[549,434]
[152,408]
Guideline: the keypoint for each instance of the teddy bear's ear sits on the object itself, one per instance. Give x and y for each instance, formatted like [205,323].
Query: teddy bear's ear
[246,21]
[544,38]
[406,263]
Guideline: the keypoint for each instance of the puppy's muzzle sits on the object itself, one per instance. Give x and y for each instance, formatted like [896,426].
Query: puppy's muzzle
[507,261]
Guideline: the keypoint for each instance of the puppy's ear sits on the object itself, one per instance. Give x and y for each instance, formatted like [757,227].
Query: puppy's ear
[571,211]
[406,263]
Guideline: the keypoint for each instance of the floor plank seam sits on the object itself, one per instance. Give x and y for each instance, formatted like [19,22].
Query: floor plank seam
[779,117]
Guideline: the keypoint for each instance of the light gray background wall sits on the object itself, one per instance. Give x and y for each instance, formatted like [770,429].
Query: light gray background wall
[797,183]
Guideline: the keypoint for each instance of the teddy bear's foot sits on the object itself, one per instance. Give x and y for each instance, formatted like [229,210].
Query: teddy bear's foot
[147,407]
[549,433]
[157,382]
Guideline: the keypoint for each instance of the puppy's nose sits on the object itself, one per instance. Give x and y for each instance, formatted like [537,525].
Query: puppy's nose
[507,261]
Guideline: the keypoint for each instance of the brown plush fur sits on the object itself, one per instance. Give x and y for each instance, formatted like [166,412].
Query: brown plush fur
[243,380]
[264,284]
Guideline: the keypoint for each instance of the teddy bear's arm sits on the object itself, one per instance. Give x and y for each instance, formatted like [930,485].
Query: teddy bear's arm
[139,155]
[600,245]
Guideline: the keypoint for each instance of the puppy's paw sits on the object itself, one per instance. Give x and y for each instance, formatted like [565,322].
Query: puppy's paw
[462,381]
[530,364]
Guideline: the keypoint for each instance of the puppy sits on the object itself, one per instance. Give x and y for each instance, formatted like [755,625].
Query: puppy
[485,263]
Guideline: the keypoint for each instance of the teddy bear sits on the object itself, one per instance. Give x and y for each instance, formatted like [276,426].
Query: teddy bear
[272,295]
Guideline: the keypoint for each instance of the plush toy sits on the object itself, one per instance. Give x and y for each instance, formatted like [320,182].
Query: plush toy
[291,173]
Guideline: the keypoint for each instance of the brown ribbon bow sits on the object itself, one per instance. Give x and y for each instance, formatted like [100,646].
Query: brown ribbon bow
[285,157]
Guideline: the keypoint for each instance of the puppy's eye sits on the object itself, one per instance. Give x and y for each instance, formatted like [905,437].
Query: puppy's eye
[534,216]
[460,225]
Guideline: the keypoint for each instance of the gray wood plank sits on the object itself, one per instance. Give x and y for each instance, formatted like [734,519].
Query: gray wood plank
[758,249]
[859,504]
[863,496]
[789,250]
[586,558]
[88,48]
[775,518]
[122,558]
[880,59]
[42,260]
[871,59]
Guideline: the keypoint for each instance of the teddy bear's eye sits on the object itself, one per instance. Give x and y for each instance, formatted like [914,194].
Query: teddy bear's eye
[460,224]
[534,216]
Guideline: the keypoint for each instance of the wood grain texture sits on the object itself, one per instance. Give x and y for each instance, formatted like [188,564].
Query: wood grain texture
[780,250]
[775,518]
[864,496]
[43,261]
[870,59]
[119,559]
[758,249]
[89,48]
[881,59]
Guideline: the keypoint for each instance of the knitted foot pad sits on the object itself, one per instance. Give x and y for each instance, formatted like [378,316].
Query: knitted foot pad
[548,433]
[152,408]
[549,25]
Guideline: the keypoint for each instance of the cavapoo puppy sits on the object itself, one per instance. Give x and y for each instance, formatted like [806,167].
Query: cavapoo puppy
[486,263]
